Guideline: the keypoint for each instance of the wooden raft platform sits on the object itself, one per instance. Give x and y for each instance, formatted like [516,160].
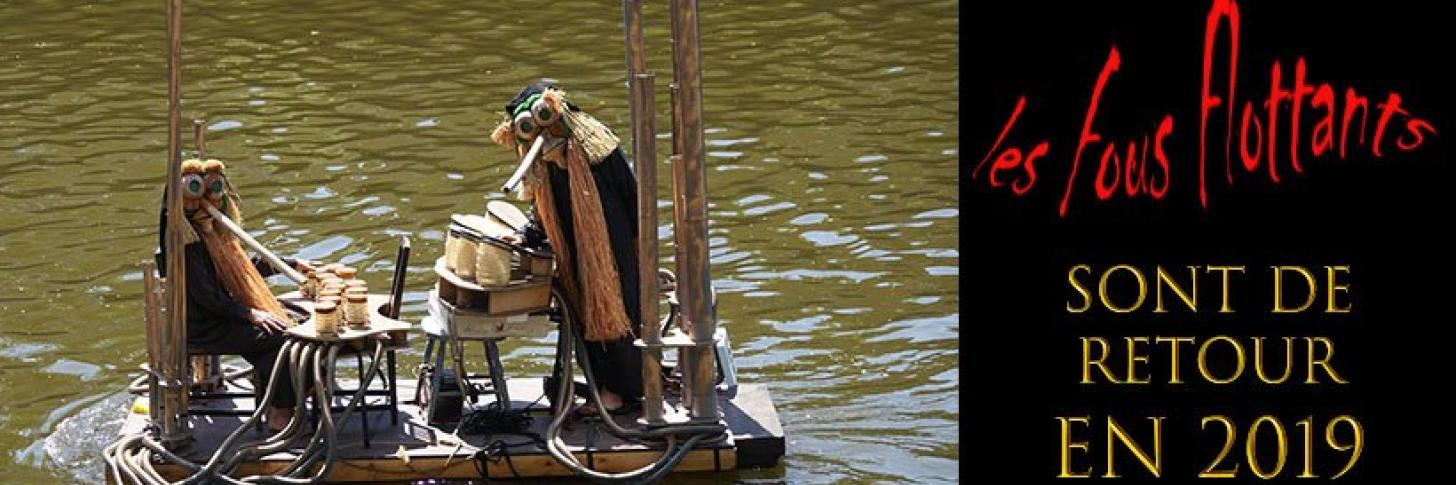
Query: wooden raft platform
[414,450]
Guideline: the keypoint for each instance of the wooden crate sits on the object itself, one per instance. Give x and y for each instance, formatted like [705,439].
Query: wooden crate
[517,297]
[472,325]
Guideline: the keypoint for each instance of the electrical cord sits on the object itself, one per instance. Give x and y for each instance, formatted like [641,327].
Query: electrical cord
[495,419]
[498,451]
[492,420]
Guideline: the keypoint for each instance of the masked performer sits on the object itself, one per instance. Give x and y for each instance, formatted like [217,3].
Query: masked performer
[585,198]
[230,309]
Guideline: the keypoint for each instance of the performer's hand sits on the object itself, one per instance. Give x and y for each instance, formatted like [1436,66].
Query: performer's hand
[269,322]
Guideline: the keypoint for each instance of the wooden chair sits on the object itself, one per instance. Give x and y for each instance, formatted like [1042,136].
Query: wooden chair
[207,381]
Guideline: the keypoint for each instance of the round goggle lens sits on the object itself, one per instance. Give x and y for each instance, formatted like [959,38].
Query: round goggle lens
[215,186]
[526,126]
[192,186]
[543,113]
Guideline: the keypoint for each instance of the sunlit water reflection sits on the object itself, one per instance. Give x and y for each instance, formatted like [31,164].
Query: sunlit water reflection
[832,149]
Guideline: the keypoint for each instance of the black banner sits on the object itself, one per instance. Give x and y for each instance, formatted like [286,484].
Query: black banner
[1206,239]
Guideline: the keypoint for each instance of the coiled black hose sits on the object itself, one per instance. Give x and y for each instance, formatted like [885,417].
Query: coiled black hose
[673,452]
[129,460]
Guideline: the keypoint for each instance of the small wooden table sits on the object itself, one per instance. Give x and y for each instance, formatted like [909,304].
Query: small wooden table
[381,330]
[378,323]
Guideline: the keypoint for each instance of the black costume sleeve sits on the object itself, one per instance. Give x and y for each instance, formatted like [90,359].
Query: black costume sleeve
[267,270]
[161,254]
[625,183]
[203,290]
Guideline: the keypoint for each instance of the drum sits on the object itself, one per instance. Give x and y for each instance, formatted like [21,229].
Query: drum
[461,258]
[507,214]
[493,262]
[356,311]
[451,243]
[310,284]
[482,225]
[490,253]
[538,262]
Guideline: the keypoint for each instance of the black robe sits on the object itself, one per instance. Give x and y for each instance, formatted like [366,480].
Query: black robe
[218,323]
[617,364]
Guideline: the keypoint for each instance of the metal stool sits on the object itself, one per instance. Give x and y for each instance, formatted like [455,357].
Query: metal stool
[442,341]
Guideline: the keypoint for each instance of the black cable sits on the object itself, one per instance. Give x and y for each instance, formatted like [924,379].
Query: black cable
[495,452]
[492,420]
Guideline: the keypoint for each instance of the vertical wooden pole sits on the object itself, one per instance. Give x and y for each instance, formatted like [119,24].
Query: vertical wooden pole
[174,424]
[644,156]
[154,340]
[692,235]
[199,137]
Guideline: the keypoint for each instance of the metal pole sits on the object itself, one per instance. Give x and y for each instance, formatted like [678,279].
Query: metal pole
[692,196]
[174,424]
[644,156]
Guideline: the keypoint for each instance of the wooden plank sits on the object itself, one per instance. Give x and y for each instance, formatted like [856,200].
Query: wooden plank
[755,434]
[464,467]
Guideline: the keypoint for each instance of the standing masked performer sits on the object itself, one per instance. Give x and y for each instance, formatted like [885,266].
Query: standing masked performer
[230,309]
[585,198]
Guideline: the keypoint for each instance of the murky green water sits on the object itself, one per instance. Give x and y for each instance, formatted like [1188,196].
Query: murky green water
[832,144]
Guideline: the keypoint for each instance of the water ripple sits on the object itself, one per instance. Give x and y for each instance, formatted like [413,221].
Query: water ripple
[833,161]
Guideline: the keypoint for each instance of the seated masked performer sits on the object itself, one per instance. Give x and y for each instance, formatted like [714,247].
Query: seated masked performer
[230,309]
[585,197]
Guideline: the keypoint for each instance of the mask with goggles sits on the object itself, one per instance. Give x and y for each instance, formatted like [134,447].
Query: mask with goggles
[204,182]
[534,118]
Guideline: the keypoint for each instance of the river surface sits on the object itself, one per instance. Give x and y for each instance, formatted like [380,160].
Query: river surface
[832,152]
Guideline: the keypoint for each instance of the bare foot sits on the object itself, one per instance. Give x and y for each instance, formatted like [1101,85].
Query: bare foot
[609,399]
[278,418]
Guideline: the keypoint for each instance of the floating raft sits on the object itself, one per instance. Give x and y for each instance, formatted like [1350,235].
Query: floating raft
[414,450]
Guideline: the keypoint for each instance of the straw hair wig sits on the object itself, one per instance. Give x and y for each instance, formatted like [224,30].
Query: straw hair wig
[588,270]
